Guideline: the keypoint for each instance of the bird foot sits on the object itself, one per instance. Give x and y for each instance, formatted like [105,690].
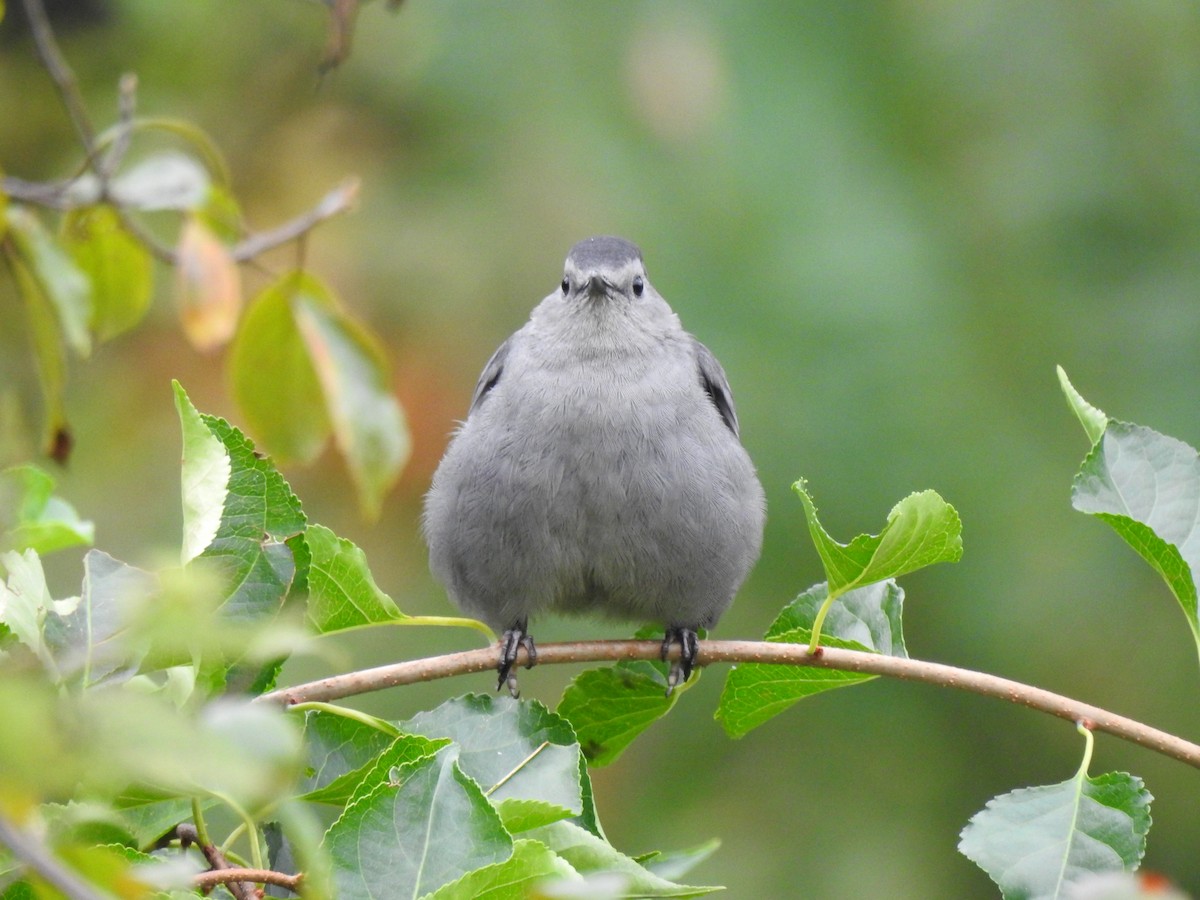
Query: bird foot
[510,645]
[689,646]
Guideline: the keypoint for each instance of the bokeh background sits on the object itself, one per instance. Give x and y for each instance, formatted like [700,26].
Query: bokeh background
[888,220]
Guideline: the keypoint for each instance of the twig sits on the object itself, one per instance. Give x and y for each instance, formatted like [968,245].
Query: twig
[30,851]
[123,133]
[208,880]
[336,201]
[469,661]
[60,72]
[66,194]
[61,195]
[189,834]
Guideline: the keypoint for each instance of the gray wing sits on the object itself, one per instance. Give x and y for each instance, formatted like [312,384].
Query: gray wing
[490,376]
[712,379]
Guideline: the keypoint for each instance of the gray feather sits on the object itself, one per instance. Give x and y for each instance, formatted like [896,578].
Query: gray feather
[599,468]
[490,376]
[712,378]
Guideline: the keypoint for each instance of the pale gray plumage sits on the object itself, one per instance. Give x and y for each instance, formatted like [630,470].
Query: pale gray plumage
[599,468]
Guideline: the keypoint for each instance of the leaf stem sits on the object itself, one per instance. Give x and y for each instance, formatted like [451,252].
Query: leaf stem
[1089,745]
[484,659]
[452,622]
[346,712]
[198,820]
[247,824]
[814,642]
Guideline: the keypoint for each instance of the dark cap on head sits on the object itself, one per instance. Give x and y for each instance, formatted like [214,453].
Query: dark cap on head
[603,250]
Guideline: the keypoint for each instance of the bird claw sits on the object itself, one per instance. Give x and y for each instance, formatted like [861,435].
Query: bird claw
[510,646]
[689,646]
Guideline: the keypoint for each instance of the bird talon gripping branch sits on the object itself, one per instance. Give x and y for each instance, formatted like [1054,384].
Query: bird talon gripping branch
[511,643]
[689,647]
[599,469]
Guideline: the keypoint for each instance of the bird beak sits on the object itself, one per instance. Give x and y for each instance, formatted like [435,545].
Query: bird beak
[598,286]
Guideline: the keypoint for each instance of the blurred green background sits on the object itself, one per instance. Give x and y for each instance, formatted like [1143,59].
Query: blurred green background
[888,220]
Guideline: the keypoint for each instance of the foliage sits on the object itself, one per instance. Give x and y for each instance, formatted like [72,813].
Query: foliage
[132,711]
[302,368]
[122,716]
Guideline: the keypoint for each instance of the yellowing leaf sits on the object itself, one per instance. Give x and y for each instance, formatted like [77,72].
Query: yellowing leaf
[368,422]
[117,264]
[209,286]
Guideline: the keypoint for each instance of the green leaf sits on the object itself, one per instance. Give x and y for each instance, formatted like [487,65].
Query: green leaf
[1140,482]
[246,752]
[32,518]
[88,638]
[147,820]
[96,744]
[63,283]
[341,751]
[37,759]
[589,854]
[368,422]
[866,618]
[51,358]
[922,529]
[1093,420]
[116,264]
[610,706]
[424,824]
[207,468]
[341,591]
[524,756]
[1037,842]
[514,879]
[240,516]
[677,863]
[25,601]
[272,375]
[204,146]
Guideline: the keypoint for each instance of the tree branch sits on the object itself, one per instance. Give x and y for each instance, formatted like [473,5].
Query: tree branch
[208,880]
[336,201]
[432,668]
[72,193]
[60,72]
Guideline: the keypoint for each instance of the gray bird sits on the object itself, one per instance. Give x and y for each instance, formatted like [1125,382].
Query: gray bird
[599,469]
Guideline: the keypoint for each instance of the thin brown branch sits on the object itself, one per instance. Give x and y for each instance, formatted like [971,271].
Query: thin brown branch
[469,661]
[60,72]
[336,201]
[208,880]
[241,888]
[123,134]
[72,193]
[50,194]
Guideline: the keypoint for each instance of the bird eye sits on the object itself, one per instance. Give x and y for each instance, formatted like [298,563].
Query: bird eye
[566,286]
[638,285]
